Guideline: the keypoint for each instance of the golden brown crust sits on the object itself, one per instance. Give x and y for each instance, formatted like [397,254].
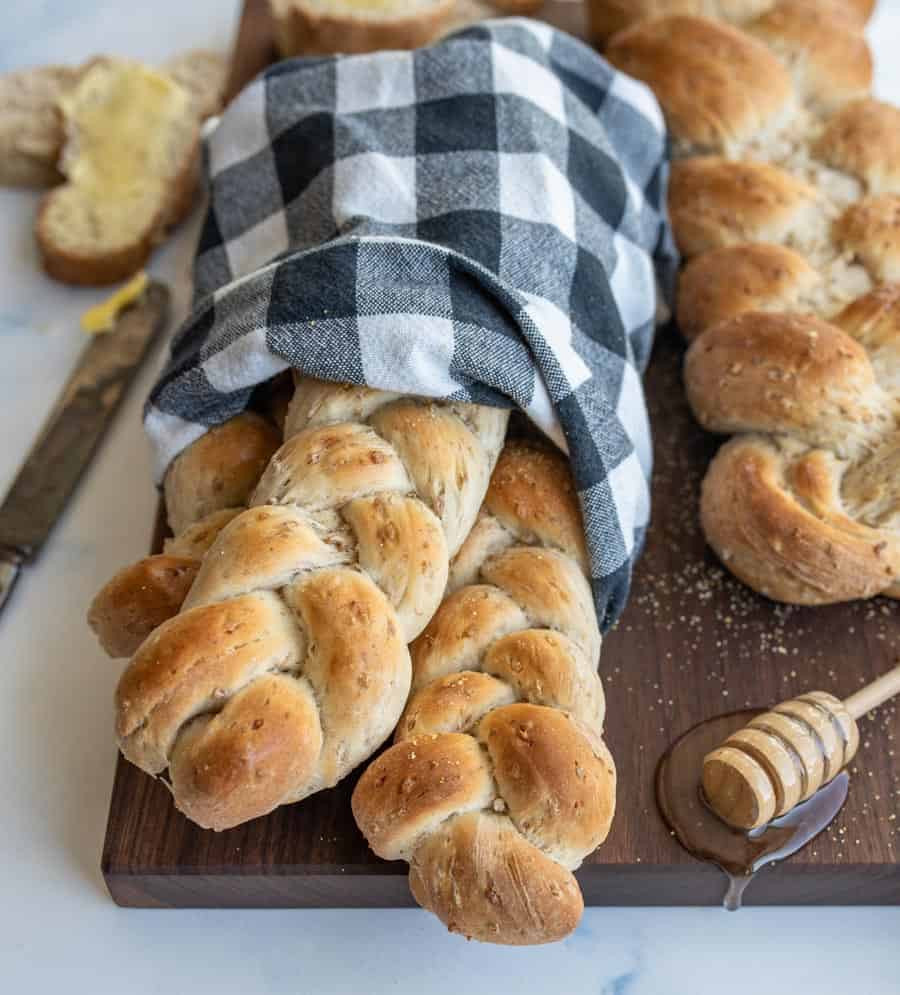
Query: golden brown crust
[417,784]
[356,661]
[606,17]
[219,470]
[499,780]
[716,202]
[143,595]
[874,321]
[829,59]
[798,214]
[302,30]
[514,893]
[468,621]
[717,86]
[773,523]
[725,283]
[302,588]
[863,139]
[137,599]
[194,660]
[454,703]
[535,503]
[551,590]
[266,547]
[242,762]
[791,374]
[870,229]
[558,785]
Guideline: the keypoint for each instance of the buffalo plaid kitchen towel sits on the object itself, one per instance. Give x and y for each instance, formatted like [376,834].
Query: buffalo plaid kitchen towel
[483,220]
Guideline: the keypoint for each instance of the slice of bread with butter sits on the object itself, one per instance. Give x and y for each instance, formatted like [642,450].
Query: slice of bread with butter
[130,164]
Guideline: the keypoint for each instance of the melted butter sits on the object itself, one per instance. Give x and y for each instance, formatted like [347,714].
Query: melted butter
[102,317]
[120,115]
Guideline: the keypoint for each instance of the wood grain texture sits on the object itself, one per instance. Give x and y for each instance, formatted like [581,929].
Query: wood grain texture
[693,642]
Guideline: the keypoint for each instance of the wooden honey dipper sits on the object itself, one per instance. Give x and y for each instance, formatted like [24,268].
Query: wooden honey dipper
[783,757]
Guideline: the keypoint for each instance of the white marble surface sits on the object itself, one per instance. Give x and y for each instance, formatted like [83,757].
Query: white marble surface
[57,924]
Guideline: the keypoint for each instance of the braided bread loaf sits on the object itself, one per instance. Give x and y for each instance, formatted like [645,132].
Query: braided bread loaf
[499,783]
[287,665]
[206,486]
[607,17]
[786,202]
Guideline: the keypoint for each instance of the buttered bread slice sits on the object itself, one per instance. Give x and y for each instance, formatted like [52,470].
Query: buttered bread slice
[306,27]
[130,163]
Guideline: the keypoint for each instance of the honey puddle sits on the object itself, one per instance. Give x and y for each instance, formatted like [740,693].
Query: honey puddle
[739,854]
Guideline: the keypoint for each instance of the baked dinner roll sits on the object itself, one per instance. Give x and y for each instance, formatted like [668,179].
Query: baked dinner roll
[826,54]
[206,486]
[499,783]
[287,665]
[808,512]
[725,283]
[718,87]
[716,202]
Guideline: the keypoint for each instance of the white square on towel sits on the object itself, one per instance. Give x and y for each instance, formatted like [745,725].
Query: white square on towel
[243,132]
[633,283]
[517,74]
[556,329]
[532,188]
[628,486]
[365,84]
[256,246]
[375,186]
[408,351]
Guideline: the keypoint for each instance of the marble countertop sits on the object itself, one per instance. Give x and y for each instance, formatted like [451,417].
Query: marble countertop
[58,926]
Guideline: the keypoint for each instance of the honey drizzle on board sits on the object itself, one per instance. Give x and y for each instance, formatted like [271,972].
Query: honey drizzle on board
[740,855]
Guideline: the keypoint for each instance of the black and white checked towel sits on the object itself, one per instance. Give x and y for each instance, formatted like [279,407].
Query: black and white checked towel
[482,220]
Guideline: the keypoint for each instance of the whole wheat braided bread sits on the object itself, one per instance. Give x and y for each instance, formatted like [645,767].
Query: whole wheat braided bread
[287,665]
[608,17]
[785,200]
[207,485]
[499,782]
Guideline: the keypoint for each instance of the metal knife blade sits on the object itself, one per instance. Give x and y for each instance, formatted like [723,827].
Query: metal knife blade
[73,430]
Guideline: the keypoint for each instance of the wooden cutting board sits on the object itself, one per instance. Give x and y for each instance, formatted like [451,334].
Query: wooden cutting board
[692,643]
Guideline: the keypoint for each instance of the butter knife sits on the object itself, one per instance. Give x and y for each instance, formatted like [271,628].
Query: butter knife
[73,431]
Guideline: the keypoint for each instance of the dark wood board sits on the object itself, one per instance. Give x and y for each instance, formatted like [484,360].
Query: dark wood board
[693,642]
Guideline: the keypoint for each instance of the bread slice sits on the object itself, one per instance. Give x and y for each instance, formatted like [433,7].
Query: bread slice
[202,73]
[31,127]
[31,134]
[130,162]
[316,27]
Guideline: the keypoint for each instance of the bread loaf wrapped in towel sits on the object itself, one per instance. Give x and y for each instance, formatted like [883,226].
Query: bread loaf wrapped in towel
[427,240]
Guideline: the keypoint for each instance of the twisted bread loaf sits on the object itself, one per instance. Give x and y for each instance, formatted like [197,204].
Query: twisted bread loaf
[499,783]
[786,202]
[607,17]
[205,488]
[287,665]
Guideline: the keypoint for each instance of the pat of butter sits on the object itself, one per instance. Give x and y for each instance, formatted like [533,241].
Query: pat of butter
[102,317]
[121,113]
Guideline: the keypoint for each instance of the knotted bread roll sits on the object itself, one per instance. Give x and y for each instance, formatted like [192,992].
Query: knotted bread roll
[288,665]
[206,486]
[499,782]
[785,199]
